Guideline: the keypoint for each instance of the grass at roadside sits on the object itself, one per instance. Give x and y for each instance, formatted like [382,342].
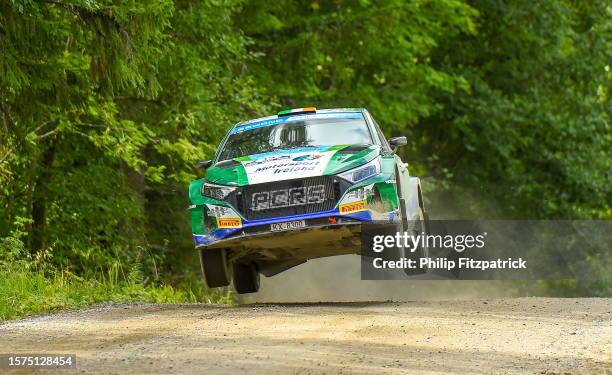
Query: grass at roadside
[27,291]
[32,284]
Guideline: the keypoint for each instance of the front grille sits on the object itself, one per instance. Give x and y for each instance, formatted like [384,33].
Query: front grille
[290,197]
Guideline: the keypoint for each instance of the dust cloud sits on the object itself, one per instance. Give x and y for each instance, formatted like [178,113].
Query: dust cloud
[338,279]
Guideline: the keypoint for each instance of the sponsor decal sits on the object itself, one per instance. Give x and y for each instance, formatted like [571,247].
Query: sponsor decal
[287,166]
[291,167]
[281,120]
[323,116]
[348,208]
[267,160]
[225,216]
[229,222]
[307,157]
[298,196]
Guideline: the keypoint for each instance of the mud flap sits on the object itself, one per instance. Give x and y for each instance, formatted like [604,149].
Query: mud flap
[404,218]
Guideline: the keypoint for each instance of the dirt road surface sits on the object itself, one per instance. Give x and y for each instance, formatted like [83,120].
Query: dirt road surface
[506,336]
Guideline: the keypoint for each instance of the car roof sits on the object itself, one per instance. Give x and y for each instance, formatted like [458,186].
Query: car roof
[319,111]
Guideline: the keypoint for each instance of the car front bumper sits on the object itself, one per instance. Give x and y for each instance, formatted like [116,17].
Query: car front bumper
[331,219]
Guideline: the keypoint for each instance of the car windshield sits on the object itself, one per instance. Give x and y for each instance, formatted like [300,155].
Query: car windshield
[296,132]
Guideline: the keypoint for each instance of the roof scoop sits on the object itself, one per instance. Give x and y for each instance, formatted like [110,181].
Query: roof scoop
[297,111]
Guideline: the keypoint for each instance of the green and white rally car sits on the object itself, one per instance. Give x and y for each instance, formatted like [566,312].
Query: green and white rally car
[295,186]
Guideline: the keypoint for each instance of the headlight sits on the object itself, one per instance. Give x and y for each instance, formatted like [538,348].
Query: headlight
[219,192]
[361,173]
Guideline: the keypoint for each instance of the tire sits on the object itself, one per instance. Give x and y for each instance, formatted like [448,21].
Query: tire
[215,267]
[420,252]
[246,278]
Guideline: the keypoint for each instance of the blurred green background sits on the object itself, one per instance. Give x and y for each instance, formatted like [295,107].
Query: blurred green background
[105,106]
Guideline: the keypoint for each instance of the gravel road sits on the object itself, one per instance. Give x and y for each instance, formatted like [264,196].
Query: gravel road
[507,336]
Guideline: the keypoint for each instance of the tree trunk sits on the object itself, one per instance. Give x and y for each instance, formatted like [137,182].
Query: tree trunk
[39,198]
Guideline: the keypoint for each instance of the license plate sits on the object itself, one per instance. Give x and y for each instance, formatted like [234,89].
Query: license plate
[288,225]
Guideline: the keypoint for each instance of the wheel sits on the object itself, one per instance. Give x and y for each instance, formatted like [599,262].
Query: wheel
[421,228]
[216,268]
[246,278]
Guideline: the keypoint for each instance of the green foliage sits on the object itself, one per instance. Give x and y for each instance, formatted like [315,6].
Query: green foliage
[30,286]
[25,291]
[356,54]
[535,131]
[104,108]
[127,97]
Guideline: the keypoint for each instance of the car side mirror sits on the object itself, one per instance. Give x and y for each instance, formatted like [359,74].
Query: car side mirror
[204,164]
[397,142]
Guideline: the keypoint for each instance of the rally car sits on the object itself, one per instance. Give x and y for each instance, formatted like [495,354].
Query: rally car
[295,186]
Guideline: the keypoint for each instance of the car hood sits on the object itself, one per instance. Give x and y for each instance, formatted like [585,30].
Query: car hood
[290,164]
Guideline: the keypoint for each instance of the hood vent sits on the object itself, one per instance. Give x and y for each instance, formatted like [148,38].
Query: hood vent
[353,149]
[227,164]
